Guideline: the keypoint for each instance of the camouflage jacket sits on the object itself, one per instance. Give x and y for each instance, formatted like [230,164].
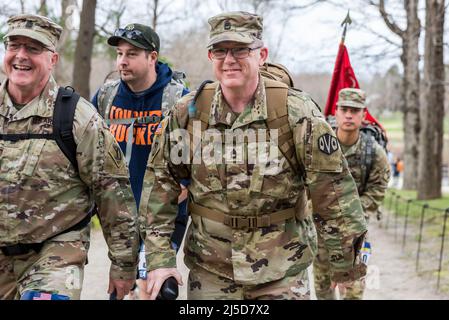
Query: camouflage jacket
[372,194]
[42,195]
[265,254]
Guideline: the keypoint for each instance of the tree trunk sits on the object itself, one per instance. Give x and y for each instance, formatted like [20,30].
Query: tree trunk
[43,9]
[22,6]
[83,51]
[61,75]
[411,89]
[155,14]
[432,107]
[410,61]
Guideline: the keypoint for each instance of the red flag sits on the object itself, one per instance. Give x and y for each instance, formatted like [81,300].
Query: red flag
[343,77]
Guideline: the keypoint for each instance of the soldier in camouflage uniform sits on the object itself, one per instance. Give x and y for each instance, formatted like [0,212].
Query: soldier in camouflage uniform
[371,183]
[44,200]
[251,236]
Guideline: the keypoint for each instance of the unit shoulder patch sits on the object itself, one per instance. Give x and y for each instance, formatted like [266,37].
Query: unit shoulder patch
[328,144]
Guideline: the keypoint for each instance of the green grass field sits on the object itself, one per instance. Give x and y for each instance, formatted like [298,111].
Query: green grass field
[393,123]
[437,206]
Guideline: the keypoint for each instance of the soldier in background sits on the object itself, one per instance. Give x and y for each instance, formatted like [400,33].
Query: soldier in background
[45,201]
[251,236]
[371,177]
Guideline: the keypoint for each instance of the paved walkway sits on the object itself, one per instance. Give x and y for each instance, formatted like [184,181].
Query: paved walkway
[390,276]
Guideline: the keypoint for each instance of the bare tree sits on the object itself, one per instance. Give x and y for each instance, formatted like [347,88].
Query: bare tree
[432,107]
[84,46]
[43,9]
[111,16]
[159,12]
[156,11]
[61,68]
[22,6]
[410,60]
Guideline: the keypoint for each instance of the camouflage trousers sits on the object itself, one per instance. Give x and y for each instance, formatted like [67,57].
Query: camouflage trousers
[57,268]
[204,285]
[322,278]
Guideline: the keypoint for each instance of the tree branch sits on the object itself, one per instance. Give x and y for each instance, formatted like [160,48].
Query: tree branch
[386,17]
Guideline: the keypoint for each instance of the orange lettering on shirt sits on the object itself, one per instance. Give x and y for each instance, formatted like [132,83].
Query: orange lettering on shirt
[120,134]
[140,135]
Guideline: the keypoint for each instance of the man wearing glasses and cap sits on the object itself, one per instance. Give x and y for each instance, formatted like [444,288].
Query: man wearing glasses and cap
[134,105]
[45,196]
[251,236]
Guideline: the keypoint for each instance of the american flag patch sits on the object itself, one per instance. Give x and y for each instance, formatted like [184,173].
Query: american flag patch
[42,296]
[159,129]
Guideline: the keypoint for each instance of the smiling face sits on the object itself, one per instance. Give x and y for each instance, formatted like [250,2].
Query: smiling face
[237,74]
[28,68]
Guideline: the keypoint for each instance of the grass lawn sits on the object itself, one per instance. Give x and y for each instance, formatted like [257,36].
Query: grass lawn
[401,201]
[393,122]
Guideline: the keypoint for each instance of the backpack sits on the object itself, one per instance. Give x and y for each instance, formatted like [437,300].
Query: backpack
[371,132]
[172,92]
[278,72]
[63,115]
[108,91]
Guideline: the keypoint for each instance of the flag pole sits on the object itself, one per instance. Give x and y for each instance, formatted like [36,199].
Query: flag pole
[336,73]
[345,24]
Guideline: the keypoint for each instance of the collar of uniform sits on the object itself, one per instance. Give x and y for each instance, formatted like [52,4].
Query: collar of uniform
[42,105]
[351,150]
[222,113]
[5,102]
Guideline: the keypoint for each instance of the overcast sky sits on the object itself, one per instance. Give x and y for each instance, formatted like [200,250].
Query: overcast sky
[309,38]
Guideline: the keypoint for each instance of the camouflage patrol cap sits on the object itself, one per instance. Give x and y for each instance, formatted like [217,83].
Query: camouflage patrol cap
[138,35]
[235,26]
[351,97]
[36,27]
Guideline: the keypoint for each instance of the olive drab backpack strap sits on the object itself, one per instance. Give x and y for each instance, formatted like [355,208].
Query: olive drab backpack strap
[106,97]
[63,115]
[277,94]
[367,158]
[199,108]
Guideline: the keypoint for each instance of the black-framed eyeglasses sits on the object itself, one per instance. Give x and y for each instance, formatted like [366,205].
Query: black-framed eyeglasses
[237,53]
[30,48]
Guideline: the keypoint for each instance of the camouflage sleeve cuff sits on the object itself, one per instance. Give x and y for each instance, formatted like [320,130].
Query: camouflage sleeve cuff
[128,273]
[156,260]
[355,269]
[357,272]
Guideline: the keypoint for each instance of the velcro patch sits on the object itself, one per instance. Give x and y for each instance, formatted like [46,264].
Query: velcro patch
[327,144]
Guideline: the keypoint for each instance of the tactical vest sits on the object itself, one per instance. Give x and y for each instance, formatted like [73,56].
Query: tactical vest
[172,93]
[277,109]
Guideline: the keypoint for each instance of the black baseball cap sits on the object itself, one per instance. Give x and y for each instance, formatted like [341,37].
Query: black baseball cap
[138,35]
